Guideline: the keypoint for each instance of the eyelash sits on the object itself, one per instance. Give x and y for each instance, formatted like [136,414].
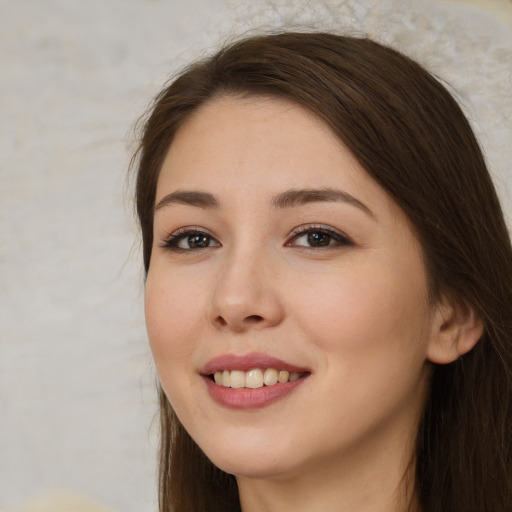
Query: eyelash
[339,238]
[171,242]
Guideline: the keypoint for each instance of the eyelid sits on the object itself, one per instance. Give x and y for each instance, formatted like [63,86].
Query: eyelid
[169,241]
[305,229]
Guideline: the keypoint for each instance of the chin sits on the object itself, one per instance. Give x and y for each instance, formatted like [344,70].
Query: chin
[249,468]
[249,457]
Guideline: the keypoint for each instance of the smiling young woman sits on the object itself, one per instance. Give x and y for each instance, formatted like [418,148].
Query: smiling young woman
[328,290]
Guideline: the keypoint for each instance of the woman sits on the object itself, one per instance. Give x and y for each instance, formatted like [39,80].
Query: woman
[328,289]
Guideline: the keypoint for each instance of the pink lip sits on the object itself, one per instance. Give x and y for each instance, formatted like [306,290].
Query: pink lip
[245,398]
[248,362]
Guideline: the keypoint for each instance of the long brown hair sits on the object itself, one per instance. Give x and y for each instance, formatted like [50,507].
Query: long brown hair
[410,135]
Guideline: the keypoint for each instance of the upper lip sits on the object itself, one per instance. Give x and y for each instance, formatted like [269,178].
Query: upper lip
[248,362]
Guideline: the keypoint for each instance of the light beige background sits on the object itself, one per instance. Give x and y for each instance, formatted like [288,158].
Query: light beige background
[76,379]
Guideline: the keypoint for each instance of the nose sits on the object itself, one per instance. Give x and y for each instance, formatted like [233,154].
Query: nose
[246,295]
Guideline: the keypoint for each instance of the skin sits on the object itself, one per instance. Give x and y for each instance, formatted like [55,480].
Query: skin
[355,312]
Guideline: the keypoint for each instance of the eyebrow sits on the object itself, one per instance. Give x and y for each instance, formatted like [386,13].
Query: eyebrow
[191,198]
[299,197]
[288,199]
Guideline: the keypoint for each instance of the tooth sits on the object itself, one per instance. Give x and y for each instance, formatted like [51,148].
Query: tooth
[254,379]
[283,376]
[237,379]
[270,377]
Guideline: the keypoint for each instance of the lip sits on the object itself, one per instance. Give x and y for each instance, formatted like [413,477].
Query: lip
[249,362]
[245,398]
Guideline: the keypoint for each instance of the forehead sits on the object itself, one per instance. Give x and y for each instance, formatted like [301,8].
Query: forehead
[264,142]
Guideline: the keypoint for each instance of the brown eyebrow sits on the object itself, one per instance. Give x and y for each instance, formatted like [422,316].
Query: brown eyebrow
[191,198]
[289,199]
[299,197]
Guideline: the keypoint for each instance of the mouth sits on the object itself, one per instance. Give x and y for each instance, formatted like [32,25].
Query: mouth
[255,378]
[251,381]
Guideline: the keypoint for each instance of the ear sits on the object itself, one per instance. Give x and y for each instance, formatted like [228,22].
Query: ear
[456,329]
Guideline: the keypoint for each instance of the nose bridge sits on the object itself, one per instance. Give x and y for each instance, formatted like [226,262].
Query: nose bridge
[245,295]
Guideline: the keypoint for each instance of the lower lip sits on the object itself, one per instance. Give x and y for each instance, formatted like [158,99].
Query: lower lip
[245,398]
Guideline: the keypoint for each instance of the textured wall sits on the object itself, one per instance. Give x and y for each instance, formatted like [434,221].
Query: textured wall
[76,379]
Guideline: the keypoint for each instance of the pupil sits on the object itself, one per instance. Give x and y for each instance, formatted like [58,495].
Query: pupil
[318,239]
[198,241]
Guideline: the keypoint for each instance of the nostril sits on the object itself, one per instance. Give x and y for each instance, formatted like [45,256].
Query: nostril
[254,319]
[239,322]
[221,321]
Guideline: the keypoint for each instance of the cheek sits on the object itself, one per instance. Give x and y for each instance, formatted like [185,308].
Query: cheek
[171,320]
[370,333]
[172,326]
[365,312]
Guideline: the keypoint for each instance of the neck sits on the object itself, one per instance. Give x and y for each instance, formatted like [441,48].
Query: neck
[377,478]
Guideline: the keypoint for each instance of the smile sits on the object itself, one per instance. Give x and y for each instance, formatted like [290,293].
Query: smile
[252,380]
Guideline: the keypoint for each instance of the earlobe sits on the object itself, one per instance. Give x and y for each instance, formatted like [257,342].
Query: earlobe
[456,329]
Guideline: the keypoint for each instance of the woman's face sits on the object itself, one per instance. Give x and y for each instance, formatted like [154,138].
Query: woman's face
[275,251]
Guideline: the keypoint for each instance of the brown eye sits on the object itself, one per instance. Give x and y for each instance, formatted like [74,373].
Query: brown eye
[190,240]
[197,241]
[318,239]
